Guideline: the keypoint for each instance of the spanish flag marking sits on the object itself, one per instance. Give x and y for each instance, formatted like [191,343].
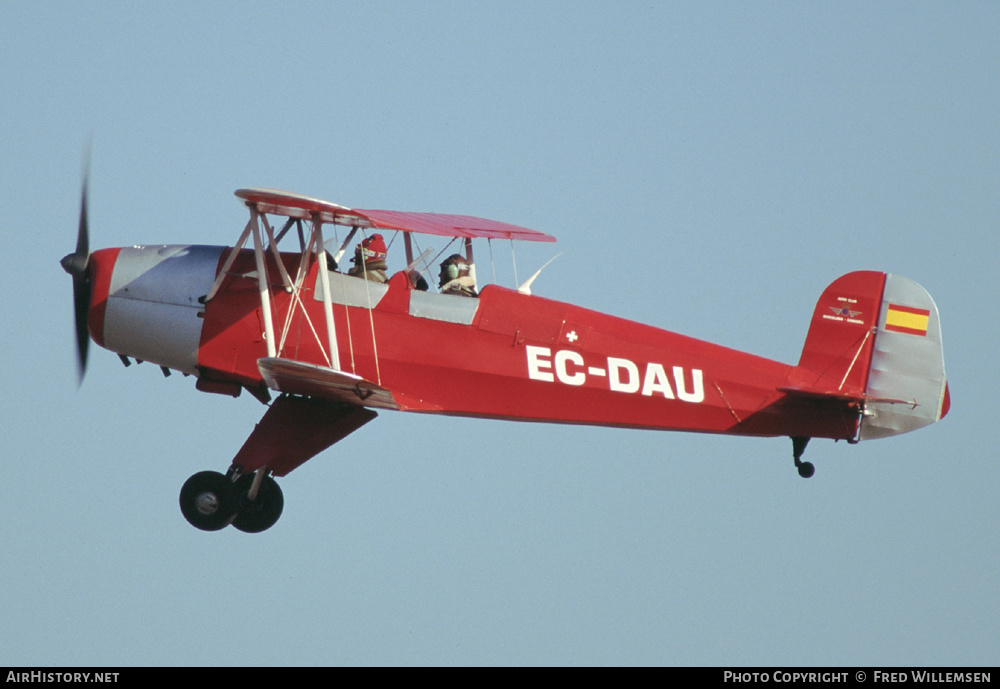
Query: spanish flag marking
[906,319]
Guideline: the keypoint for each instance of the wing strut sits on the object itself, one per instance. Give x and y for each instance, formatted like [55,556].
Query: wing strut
[324,277]
[258,208]
[265,294]
[224,271]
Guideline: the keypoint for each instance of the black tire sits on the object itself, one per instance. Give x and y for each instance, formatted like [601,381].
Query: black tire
[208,501]
[260,514]
[806,469]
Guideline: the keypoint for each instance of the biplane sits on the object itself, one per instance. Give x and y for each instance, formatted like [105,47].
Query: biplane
[326,348]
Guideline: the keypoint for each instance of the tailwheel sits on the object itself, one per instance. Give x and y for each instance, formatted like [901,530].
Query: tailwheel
[806,469]
[262,511]
[208,501]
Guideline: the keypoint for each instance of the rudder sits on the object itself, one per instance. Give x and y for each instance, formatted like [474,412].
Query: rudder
[907,363]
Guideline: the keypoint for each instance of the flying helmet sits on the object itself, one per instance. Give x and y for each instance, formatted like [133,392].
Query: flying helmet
[371,250]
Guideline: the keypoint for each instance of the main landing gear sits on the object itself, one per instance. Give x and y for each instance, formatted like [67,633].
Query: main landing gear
[806,469]
[251,502]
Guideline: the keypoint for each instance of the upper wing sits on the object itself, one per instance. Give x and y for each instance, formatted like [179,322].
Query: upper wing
[451,225]
[466,226]
[292,205]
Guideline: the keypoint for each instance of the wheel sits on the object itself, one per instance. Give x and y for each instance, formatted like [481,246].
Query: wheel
[806,469]
[261,513]
[208,501]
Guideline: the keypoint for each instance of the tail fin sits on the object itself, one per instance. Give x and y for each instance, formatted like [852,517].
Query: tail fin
[875,339]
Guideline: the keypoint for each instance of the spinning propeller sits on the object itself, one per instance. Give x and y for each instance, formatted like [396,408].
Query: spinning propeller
[77,264]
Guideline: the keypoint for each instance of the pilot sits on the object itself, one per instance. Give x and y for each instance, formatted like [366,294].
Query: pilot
[456,277]
[369,259]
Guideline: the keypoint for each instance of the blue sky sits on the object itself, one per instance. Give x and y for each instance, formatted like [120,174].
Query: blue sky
[707,168]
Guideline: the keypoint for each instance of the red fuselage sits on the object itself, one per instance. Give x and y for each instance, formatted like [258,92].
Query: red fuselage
[503,355]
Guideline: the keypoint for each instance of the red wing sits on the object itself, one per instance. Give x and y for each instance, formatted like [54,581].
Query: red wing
[292,205]
[295,429]
[319,407]
[451,225]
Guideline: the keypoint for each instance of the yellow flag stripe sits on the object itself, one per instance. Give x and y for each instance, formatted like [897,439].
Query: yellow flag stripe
[903,319]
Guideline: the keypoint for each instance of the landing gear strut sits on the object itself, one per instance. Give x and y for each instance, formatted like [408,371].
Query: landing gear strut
[261,511]
[806,469]
[211,501]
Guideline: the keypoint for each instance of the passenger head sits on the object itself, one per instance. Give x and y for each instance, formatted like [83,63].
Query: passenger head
[455,266]
[372,252]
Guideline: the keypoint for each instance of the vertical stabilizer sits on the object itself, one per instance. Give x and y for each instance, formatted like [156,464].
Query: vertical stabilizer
[837,352]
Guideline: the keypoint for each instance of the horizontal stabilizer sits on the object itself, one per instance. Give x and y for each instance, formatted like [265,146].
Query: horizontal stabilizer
[822,394]
[297,378]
